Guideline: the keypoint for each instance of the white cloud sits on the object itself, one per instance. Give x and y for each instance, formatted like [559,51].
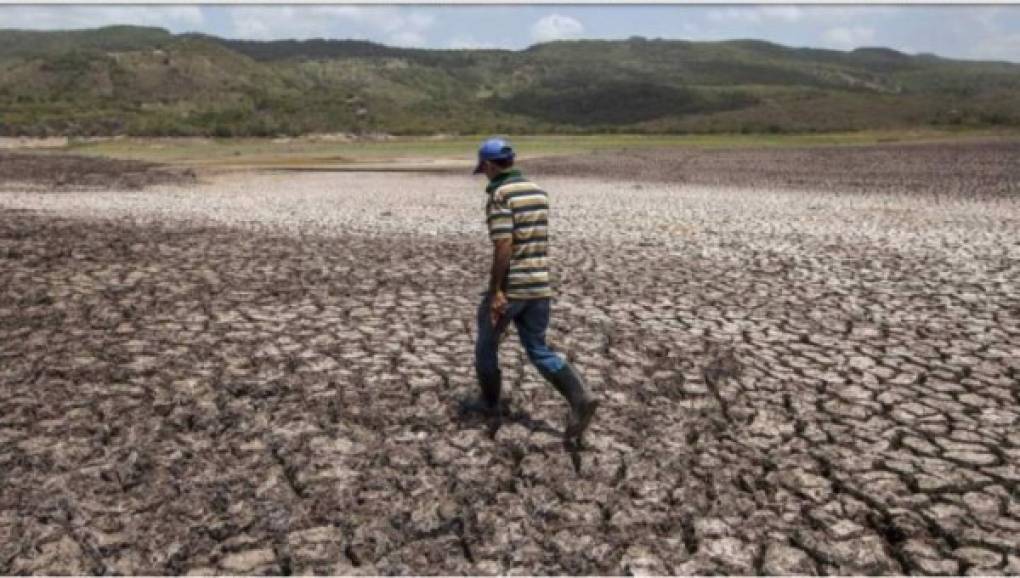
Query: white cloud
[783,13]
[173,18]
[556,27]
[786,14]
[409,29]
[387,24]
[757,15]
[849,36]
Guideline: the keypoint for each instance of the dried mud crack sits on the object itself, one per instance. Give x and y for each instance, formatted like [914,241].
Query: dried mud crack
[263,375]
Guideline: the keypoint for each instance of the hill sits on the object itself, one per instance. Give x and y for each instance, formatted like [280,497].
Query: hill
[146,81]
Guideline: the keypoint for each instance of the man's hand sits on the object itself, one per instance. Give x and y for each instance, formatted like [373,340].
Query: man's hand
[497,307]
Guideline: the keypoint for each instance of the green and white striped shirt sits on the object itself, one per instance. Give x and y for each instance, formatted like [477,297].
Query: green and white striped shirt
[518,209]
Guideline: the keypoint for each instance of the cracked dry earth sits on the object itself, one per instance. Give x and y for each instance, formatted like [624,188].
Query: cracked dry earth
[261,374]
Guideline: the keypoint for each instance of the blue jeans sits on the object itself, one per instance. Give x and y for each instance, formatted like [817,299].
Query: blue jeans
[531,317]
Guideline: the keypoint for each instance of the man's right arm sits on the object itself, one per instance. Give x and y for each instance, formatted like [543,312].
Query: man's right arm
[500,220]
[501,249]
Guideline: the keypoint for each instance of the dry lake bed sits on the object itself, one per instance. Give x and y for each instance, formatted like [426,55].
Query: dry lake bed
[260,372]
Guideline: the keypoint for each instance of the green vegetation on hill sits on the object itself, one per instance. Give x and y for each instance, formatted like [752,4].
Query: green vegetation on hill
[32,44]
[146,81]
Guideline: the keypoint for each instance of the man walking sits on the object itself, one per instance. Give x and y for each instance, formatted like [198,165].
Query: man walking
[517,215]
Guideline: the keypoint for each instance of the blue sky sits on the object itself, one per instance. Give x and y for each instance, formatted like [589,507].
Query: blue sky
[960,31]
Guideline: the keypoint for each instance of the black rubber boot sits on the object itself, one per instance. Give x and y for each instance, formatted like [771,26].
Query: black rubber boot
[488,402]
[583,404]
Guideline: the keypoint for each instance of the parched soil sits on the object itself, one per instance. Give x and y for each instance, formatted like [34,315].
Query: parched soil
[263,375]
[982,168]
[65,172]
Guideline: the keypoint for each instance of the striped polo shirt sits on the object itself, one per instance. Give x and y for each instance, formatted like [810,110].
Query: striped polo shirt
[518,209]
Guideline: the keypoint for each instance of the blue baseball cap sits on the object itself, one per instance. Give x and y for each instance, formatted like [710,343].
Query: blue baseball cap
[493,149]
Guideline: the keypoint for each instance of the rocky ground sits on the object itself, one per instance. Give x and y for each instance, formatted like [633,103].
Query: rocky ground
[261,374]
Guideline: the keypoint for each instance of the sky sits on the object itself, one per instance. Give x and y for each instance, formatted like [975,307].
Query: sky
[984,32]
